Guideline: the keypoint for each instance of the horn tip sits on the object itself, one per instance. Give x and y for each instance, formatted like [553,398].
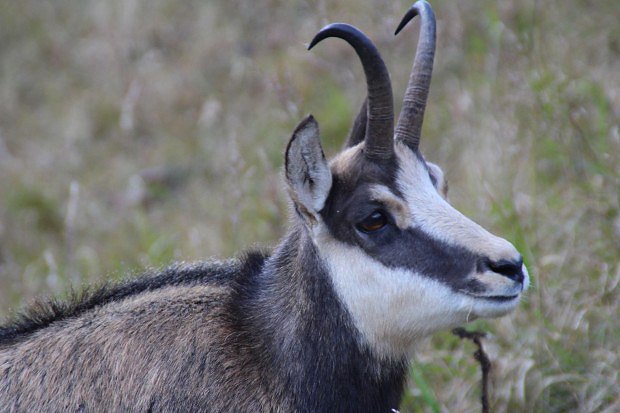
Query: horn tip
[411,13]
[334,29]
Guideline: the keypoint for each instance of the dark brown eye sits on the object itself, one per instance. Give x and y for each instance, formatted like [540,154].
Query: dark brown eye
[373,222]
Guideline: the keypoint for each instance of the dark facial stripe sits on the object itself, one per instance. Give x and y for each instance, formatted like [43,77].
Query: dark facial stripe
[414,250]
[350,201]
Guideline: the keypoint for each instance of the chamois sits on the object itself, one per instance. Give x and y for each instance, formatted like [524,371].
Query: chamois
[375,259]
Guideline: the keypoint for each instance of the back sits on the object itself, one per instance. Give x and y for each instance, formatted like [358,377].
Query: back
[150,349]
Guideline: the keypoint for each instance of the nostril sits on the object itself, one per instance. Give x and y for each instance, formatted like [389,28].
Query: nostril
[512,269]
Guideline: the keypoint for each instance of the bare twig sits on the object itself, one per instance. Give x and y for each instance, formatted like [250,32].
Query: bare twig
[482,358]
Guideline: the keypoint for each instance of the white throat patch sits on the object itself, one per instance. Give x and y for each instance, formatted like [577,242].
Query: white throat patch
[392,308]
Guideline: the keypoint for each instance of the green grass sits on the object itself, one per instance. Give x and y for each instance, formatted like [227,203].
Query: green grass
[170,119]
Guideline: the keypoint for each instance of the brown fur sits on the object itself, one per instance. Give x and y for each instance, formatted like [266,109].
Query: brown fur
[82,354]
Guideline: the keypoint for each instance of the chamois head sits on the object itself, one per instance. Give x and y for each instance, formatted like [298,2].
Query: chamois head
[403,261]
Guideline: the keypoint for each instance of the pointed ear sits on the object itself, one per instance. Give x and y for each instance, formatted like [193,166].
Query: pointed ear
[358,130]
[307,172]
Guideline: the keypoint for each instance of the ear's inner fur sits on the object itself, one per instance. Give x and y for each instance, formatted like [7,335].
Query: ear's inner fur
[307,173]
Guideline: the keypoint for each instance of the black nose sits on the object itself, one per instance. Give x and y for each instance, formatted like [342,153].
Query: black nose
[512,269]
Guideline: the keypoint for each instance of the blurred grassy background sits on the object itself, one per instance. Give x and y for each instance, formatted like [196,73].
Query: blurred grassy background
[134,133]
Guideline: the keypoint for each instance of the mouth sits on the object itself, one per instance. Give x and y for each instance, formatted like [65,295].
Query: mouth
[500,298]
[492,306]
[490,300]
[495,290]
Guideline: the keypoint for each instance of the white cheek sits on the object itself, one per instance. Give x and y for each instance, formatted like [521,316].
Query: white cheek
[392,308]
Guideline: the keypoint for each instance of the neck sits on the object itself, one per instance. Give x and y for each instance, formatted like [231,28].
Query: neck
[307,336]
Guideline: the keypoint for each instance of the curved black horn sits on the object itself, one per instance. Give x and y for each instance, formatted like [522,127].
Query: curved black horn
[409,125]
[380,124]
